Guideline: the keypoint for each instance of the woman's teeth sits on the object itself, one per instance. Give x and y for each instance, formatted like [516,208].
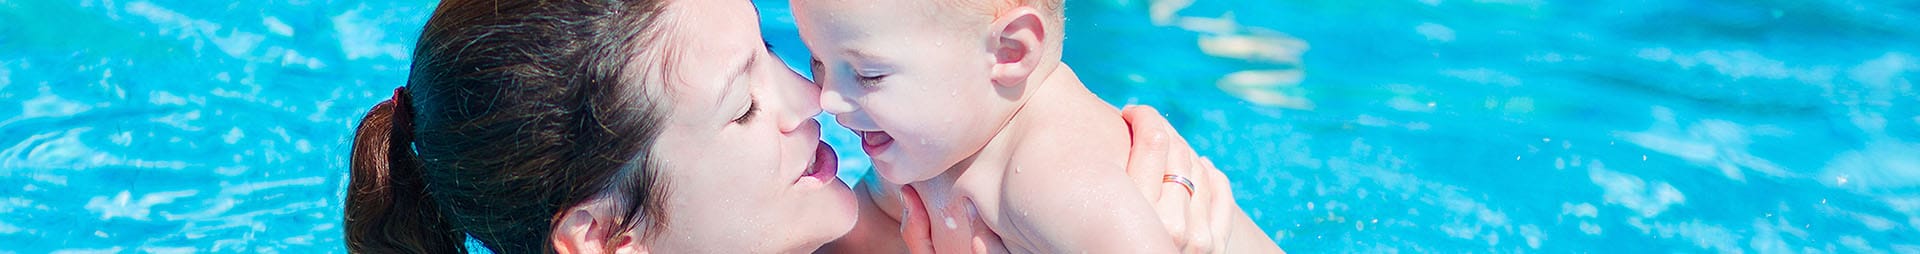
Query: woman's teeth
[813,167]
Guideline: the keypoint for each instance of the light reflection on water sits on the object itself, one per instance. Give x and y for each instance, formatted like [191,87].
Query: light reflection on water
[1348,126]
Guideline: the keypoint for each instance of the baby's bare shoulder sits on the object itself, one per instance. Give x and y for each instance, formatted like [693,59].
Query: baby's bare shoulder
[1073,194]
[1069,155]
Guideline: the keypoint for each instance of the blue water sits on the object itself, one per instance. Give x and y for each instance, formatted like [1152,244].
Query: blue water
[1347,126]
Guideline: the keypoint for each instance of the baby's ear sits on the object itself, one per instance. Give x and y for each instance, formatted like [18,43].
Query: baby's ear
[1017,38]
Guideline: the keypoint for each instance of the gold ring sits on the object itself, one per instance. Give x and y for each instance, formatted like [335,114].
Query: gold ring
[1182,180]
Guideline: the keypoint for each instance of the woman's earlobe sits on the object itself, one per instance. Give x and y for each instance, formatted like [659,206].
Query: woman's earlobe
[573,234]
[585,231]
[629,243]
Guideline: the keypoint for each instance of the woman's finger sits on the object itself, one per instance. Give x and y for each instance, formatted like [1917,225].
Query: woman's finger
[1193,233]
[1175,202]
[1199,227]
[915,228]
[1223,205]
[1172,209]
[1147,159]
[984,240]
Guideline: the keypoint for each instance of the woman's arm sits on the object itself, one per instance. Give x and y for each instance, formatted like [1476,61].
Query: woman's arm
[1219,225]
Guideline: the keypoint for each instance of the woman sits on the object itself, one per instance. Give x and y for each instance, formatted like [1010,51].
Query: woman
[618,126]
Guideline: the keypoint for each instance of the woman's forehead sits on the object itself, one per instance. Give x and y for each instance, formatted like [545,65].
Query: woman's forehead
[707,45]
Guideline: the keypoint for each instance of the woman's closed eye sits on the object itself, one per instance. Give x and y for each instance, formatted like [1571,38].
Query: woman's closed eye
[817,69]
[753,106]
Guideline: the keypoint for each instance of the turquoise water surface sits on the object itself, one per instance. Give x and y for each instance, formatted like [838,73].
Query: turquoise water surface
[1347,126]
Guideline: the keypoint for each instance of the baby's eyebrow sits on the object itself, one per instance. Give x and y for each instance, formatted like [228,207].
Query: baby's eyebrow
[857,53]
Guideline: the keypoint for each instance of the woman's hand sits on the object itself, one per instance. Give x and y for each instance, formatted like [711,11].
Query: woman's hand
[1198,215]
[915,228]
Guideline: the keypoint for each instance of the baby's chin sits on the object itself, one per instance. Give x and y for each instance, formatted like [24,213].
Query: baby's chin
[895,174]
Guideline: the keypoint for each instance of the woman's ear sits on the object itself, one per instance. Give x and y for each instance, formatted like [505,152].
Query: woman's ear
[1017,38]
[584,229]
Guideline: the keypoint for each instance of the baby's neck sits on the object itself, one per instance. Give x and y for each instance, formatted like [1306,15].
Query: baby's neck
[1059,94]
[1060,101]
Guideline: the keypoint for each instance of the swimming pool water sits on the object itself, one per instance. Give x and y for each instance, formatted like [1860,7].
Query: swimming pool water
[1347,126]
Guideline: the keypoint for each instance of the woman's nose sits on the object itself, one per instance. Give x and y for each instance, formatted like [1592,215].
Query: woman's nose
[800,99]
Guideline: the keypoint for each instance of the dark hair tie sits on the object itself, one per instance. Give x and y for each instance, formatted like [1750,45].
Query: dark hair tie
[402,132]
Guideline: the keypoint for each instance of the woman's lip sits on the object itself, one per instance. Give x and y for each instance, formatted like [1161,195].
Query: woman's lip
[825,166]
[874,142]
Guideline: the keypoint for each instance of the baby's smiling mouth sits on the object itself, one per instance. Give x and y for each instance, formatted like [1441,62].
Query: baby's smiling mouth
[875,142]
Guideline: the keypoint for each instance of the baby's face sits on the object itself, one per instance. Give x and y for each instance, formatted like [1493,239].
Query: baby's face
[906,78]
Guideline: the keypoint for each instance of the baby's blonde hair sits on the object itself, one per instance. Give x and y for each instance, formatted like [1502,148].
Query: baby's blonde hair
[1053,11]
[1053,7]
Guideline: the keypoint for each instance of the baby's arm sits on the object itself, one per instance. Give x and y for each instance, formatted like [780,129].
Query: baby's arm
[1061,205]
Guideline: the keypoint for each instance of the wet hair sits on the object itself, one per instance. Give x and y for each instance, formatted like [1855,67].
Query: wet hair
[515,111]
[991,8]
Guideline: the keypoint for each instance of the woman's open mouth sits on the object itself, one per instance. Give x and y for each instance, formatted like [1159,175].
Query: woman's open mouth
[825,165]
[874,142]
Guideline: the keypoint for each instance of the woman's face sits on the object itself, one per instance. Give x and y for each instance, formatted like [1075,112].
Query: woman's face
[740,153]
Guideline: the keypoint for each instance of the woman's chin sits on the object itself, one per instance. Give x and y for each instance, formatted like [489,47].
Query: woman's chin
[832,210]
[824,207]
[827,216]
[846,210]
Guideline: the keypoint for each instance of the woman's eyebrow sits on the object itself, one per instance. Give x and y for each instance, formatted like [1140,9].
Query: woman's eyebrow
[727,90]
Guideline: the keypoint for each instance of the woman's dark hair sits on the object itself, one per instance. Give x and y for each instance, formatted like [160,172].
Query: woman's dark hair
[516,110]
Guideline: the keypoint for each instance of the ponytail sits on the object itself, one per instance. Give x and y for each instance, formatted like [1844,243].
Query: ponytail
[388,209]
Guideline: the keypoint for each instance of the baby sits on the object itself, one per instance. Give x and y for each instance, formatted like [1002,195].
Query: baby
[967,101]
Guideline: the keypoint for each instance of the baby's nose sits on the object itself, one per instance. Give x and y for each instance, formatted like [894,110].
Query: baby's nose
[835,103]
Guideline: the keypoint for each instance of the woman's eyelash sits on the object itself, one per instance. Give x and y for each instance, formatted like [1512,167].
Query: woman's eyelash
[752,107]
[817,68]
